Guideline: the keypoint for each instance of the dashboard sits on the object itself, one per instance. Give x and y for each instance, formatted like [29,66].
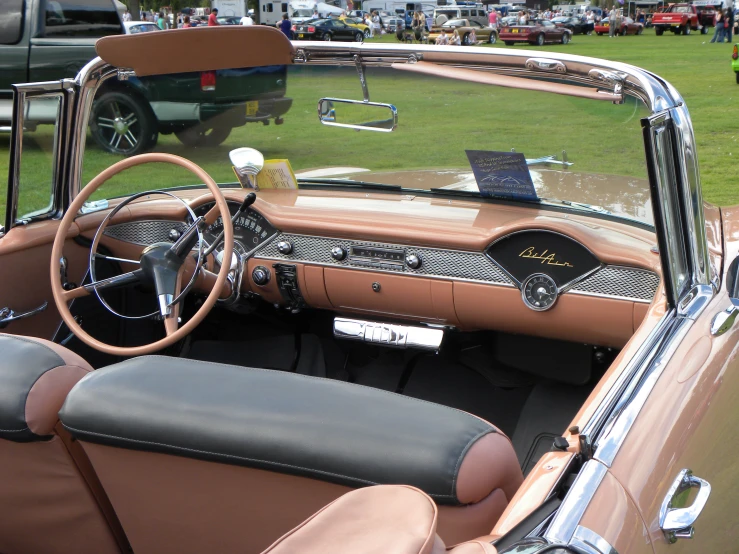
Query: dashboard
[535,275]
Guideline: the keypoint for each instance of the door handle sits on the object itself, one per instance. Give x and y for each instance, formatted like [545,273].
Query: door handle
[675,519]
[7,316]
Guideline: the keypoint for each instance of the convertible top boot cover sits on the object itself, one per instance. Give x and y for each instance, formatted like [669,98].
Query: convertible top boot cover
[261,450]
[46,504]
[387,519]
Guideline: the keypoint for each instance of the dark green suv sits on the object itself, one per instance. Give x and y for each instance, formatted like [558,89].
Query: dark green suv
[47,40]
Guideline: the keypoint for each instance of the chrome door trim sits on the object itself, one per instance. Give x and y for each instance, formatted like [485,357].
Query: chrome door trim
[566,520]
[586,541]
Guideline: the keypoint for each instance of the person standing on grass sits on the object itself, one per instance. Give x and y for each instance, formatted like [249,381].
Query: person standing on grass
[213,18]
[718,33]
[493,20]
[286,26]
[729,24]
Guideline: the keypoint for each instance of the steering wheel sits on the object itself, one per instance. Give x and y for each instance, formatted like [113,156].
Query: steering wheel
[164,265]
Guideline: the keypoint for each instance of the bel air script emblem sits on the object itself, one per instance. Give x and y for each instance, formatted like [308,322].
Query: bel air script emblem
[545,257]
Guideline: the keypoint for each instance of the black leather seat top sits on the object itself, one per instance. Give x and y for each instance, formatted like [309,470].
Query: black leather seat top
[23,361]
[318,428]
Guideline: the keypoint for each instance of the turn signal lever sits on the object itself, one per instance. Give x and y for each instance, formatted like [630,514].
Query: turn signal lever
[248,201]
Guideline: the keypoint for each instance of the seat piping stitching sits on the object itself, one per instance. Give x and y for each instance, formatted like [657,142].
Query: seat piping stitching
[276,464]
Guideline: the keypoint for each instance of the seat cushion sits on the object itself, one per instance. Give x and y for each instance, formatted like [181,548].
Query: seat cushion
[317,428]
[35,377]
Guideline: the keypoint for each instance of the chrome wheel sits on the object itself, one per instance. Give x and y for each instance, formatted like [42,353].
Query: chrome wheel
[123,124]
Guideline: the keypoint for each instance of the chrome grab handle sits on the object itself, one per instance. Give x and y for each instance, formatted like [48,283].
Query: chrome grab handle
[723,321]
[8,316]
[677,522]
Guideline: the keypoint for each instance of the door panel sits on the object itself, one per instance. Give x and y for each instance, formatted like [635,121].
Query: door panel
[25,255]
[690,421]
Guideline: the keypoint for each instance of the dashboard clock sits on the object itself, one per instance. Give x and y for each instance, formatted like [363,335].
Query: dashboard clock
[539,292]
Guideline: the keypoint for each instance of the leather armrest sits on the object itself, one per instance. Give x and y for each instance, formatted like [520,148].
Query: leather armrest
[386,519]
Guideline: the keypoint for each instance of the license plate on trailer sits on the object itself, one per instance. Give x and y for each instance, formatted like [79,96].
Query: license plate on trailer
[514,30]
[252,107]
[300,35]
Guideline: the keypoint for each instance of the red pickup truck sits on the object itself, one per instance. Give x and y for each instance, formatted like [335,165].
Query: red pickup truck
[678,18]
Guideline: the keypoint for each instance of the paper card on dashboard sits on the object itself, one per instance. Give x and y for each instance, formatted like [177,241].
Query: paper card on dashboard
[502,174]
[276,174]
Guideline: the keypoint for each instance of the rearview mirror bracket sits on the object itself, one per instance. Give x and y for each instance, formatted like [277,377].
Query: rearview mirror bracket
[360,70]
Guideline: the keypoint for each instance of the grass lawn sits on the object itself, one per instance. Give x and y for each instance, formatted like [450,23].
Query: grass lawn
[435,132]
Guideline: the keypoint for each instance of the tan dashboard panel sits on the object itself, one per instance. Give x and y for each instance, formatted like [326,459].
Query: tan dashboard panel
[579,318]
[391,295]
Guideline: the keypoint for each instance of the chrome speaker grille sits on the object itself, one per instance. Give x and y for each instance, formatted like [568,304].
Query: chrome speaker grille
[620,282]
[473,266]
[144,232]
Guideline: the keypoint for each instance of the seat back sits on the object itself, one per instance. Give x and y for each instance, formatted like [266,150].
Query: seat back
[227,458]
[47,504]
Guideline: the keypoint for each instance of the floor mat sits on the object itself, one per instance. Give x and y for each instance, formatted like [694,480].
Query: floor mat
[442,381]
[300,353]
[546,415]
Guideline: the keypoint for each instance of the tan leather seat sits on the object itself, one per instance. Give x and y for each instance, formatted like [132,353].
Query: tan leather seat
[386,519]
[227,458]
[47,505]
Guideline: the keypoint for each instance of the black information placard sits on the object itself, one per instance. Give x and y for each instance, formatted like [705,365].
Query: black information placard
[502,174]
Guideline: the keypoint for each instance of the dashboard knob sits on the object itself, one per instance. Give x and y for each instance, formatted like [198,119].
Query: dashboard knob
[260,275]
[413,261]
[284,247]
[338,253]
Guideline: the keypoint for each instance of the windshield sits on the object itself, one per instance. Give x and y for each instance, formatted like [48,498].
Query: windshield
[302,13]
[577,150]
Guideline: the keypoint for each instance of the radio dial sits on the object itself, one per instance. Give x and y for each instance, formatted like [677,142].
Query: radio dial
[413,261]
[338,253]
[284,247]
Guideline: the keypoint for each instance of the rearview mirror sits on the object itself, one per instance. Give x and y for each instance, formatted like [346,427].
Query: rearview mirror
[356,114]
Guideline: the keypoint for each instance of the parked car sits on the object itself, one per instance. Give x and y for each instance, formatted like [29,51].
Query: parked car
[575,24]
[357,24]
[133,27]
[628,27]
[707,15]
[537,32]
[328,29]
[128,116]
[228,20]
[391,24]
[433,336]
[678,18]
[465,27]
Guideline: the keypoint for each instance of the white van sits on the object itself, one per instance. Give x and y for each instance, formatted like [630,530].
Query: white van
[471,13]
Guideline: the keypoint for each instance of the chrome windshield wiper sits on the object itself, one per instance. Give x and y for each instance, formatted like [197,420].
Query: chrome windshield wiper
[328,181]
[591,207]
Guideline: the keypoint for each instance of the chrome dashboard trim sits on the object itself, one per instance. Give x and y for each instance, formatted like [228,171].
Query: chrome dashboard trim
[450,264]
[606,281]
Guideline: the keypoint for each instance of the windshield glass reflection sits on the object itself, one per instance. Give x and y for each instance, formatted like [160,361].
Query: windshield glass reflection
[578,150]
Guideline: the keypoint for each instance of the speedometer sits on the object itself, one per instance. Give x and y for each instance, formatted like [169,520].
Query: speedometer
[250,229]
